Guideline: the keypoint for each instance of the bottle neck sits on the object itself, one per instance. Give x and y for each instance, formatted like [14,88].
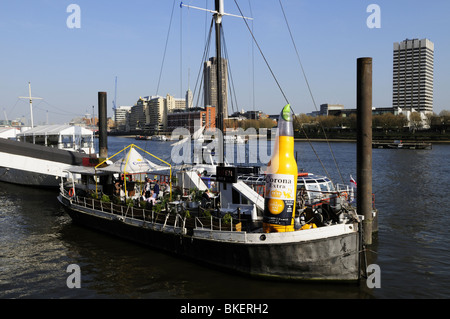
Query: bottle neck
[284,145]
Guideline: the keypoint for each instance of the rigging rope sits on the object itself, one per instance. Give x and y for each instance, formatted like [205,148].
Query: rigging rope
[262,54]
[273,75]
[205,54]
[165,48]
[181,55]
[310,92]
[230,74]
[253,62]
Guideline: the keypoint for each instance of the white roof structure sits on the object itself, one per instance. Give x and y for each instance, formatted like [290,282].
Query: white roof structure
[133,163]
[8,132]
[56,129]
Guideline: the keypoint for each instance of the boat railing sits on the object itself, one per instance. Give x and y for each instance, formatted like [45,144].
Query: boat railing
[351,193]
[216,223]
[170,218]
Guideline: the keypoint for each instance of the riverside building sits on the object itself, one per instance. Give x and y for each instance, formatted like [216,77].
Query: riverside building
[210,84]
[413,75]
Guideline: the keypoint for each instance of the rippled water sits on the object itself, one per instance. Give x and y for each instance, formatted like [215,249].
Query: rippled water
[39,241]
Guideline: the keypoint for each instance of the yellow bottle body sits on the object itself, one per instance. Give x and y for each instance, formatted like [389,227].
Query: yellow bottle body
[281,188]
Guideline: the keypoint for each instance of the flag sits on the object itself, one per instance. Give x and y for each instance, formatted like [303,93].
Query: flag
[352,180]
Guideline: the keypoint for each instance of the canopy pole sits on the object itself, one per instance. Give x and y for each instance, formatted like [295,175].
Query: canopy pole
[125,172]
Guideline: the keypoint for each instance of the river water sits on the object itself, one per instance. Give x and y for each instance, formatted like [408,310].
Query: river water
[412,250]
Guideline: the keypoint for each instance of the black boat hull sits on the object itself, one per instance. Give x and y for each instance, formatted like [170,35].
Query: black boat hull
[329,259]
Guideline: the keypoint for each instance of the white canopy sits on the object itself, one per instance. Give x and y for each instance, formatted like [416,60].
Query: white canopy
[56,130]
[133,163]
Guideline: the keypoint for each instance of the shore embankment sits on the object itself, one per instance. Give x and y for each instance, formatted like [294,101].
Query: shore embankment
[350,137]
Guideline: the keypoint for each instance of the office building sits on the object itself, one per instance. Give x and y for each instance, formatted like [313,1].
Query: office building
[158,108]
[137,115]
[210,84]
[203,116]
[330,109]
[189,99]
[120,114]
[413,75]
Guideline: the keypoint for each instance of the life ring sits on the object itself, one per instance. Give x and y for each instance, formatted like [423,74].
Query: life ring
[345,195]
[71,192]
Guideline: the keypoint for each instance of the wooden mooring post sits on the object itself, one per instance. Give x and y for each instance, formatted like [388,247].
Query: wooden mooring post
[364,145]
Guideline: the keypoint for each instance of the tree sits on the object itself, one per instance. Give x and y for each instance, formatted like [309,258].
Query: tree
[301,120]
[328,122]
[444,113]
[415,120]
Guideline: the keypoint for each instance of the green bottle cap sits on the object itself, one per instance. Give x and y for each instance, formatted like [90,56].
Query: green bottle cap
[286,113]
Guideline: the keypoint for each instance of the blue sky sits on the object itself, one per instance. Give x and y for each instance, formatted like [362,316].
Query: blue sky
[67,67]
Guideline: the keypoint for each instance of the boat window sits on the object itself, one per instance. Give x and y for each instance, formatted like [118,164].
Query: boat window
[86,141]
[52,140]
[330,186]
[323,187]
[315,190]
[39,139]
[67,141]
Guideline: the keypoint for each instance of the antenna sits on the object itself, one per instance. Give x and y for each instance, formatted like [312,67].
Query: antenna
[115,96]
[6,116]
[31,102]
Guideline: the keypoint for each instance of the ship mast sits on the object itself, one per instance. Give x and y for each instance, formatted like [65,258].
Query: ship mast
[218,14]
[219,116]
[31,102]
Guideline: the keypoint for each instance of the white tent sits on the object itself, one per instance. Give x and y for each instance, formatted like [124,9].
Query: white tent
[133,163]
[8,132]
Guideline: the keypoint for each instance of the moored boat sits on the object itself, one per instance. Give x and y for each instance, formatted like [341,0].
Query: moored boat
[160,138]
[397,144]
[323,254]
[39,156]
[324,248]
[323,245]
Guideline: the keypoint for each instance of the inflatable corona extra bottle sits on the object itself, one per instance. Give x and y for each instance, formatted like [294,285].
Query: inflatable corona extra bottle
[281,179]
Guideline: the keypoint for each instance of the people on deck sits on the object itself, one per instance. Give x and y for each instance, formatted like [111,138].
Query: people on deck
[156,189]
[206,199]
[147,185]
[149,197]
[118,190]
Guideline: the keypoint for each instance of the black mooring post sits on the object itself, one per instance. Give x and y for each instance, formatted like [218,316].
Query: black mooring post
[102,126]
[364,145]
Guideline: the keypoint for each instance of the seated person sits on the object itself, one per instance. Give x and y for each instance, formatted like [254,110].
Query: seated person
[118,191]
[206,194]
[149,196]
[206,198]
